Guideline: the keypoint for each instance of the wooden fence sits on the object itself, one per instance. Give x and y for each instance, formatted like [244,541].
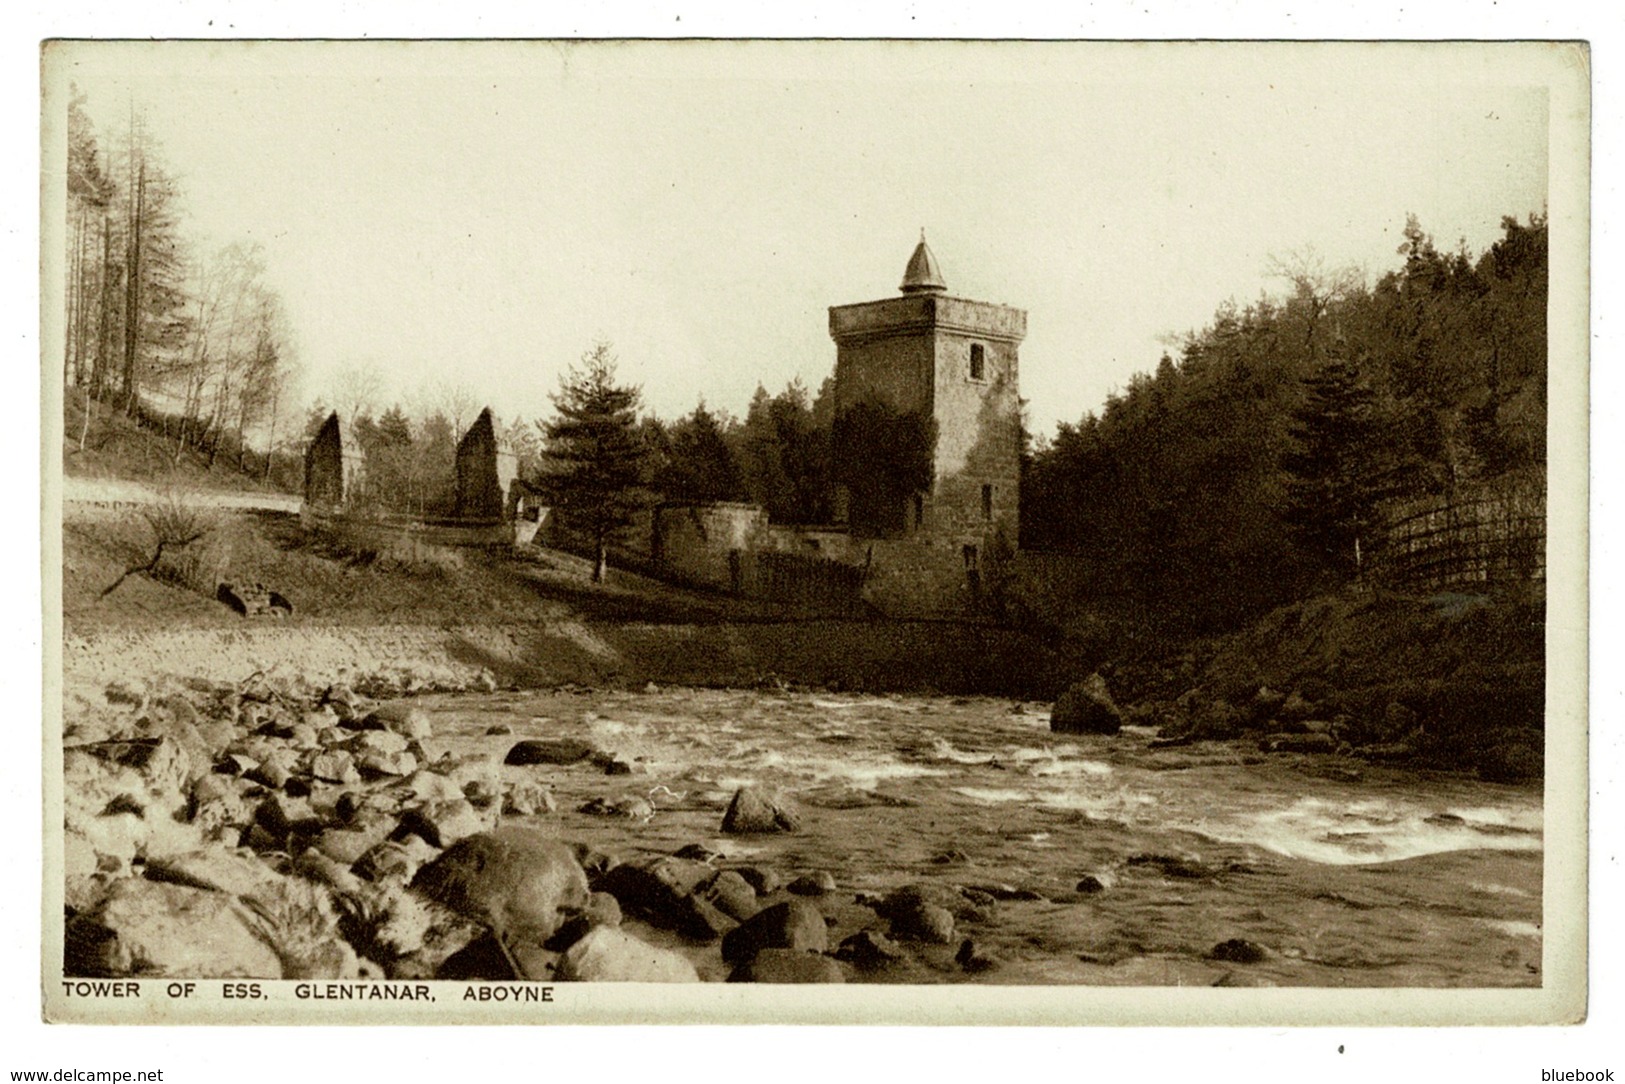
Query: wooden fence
[1489,535]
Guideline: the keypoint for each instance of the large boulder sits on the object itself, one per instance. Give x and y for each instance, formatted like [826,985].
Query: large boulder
[753,811]
[610,954]
[793,924]
[150,928]
[516,881]
[1086,708]
[555,751]
[781,965]
[399,717]
[665,892]
[732,895]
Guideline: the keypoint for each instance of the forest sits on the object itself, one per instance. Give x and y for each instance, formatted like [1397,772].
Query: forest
[187,339]
[1258,466]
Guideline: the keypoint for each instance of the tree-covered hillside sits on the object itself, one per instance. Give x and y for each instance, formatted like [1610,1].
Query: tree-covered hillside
[1255,467]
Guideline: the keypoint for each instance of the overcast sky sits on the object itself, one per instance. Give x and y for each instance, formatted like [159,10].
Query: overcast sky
[481,213]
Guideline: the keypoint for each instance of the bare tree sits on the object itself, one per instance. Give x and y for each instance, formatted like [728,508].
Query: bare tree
[1315,285]
[356,391]
[459,403]
[176,523]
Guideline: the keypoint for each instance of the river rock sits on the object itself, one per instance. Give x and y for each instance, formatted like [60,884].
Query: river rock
[281,815]
[382,765]
[167,930]
[426,786]
[485,959]
[335,766]
[923,921]
[764,879]
[793,924]
[549,751]
[154,770]
[817,883]
[527,799]
[1299,743]
[1185,869]
[972,960]
[1086,708]
[217,869]
[443,823]
[215,803]
[348,844]
[400,717]
[752,811]
[315,866]
[273,772]
[517,881]
[732,895]
[663,893]
[395,861]
[482,793]
[1387,752]
[601,910]
[964,904]
[235,764]
[377,741]
[609,954]
[632,806]
[869,949]
[783,965]
[1238,951]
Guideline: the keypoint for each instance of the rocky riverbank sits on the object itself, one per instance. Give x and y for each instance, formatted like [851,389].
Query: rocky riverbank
[277,829]
[284,828]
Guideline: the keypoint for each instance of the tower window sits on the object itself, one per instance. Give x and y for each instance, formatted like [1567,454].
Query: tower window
[919,509]
[987,502]
[978,362]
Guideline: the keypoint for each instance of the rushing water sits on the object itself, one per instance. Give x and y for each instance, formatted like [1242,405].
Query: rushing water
[1346,874]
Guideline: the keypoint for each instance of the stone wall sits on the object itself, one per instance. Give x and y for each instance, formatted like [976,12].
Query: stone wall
[693,543]
[919,577]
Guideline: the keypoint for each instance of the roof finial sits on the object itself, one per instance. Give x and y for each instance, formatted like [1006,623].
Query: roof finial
[922,275]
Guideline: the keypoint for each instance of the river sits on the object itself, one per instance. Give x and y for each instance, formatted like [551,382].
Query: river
[1344,874]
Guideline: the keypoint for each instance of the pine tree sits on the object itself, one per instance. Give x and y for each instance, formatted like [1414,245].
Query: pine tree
[595,460]
[700,467]
[1335,475]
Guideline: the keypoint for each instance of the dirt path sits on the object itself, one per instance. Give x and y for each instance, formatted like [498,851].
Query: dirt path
[123,491]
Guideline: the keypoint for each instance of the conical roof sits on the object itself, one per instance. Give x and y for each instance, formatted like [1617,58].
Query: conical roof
[922,275]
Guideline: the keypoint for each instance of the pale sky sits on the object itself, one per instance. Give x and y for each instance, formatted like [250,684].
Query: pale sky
[481,213]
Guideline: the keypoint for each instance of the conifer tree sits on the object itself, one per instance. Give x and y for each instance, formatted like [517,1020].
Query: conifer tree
[594,471]
[1334,474]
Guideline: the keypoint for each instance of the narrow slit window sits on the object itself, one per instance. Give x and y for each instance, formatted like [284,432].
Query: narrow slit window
[987,502]
[978,362]
[919,509]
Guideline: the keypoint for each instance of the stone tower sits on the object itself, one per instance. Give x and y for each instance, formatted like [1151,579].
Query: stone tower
[929,354]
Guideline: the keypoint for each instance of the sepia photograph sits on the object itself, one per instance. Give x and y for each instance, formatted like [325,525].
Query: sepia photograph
[980,532]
